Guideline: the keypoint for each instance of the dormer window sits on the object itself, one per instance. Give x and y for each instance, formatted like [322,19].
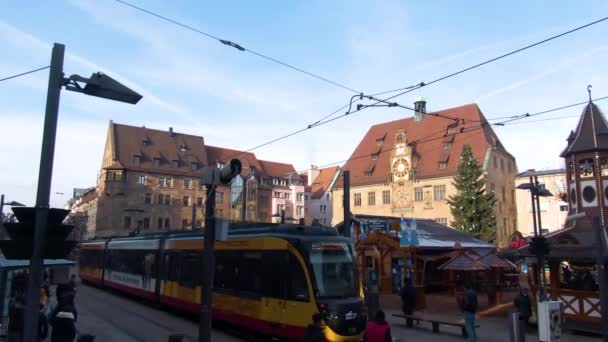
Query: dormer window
[182,148]
[447,145]
[220,165]
[156,162]
[443,165]
[252,170]
[452,130]
[368,173]
[379,142]
[145,141]
[194,165]
[136,159]
[375,156]
[175,163]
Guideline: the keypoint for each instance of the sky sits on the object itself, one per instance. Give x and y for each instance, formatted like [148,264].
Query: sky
[238,100]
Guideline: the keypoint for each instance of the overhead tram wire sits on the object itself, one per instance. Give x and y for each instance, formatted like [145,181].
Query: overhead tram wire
[424,84]
[24,73]
[238,46]
[432,136]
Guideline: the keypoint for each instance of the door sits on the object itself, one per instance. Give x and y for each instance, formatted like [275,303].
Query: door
[298,306]
[273,292]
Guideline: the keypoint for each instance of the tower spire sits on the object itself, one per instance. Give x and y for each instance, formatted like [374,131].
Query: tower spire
[589,91]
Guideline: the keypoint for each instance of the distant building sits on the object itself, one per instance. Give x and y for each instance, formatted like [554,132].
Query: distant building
[407,167]
[554,209]
[321,182]
[83,214]
[150,181]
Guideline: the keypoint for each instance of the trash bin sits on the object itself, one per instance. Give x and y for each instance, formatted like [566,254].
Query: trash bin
[514,327]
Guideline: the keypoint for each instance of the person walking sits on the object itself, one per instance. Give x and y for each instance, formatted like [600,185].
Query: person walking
[378,330]
[43,325]
[470,309]
[523,306]
[63,321]
[408,301]
[314,333]
[16,319]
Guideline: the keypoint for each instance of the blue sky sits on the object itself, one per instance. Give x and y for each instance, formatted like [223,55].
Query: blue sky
[237,100]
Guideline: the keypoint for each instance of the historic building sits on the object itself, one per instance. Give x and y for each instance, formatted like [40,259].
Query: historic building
[406,167]
[321,183]
[149,180]
[554,209]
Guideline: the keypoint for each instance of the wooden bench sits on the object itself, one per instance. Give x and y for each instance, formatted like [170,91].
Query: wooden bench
[435,323]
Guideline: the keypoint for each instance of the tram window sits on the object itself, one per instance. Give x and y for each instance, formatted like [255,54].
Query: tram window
[274,262]
[172,266]
[190,265]
[297,288]
[225,271]
[250,274]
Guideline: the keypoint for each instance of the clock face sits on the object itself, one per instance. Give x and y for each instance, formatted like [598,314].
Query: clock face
[400,167]
[400,194]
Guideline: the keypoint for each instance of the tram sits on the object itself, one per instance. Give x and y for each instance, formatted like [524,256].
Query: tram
[269,278]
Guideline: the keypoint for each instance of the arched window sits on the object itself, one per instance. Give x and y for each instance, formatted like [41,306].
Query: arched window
[585,168]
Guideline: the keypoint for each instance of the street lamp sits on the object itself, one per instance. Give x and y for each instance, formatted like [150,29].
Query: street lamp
[537,190]
[10,204]
[99,85]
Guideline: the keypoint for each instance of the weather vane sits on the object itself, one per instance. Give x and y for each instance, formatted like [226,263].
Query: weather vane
[589,91]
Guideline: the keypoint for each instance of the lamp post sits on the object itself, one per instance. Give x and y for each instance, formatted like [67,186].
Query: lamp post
[98,85]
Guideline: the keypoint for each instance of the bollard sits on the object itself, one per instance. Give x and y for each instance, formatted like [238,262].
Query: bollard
[176,338]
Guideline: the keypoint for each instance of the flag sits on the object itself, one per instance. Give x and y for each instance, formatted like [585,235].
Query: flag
[414,233]
[362,236]
[352,230]
[405,238]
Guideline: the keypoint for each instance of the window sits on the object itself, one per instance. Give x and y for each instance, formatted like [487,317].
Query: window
[504,194]
[141,179]
[114,176]
[494,162]
[187,183]
[379,142]
[201,186]
[357,199]
[371,198]
[509,166]
[275,181]
[502,165]
[160,223]
[368,173]
[169,182]
[156,162]
[451,130]
[428,198]
[326,197]
[126,223]
[277,194]
[136,159]
[199,202]
[442,220]
[219,197]
[194,165]
[386,197]
[186,201]
[148,198]
[418,195]
[146,223]
[161,198]
[296,281]
[375,156]
[167,223]
[447,145]
[161,182]
[300,197]
[563,208]
[439,192]
[287,195]
[185,223]
[175,163]
[300,210]
[167,199]
[443,165]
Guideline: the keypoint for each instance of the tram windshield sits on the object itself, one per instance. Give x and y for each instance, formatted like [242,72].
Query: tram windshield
[334,269]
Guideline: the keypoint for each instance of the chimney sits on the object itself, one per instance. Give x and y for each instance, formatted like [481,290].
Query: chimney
[570,138]
[420,108]
[313,172]
[171,132]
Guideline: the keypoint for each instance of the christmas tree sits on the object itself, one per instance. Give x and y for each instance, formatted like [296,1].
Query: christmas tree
[472,207]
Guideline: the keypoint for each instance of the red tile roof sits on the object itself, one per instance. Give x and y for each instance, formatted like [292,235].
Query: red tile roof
[323,181]
[430,134]
[274,169]
[248,160]
[131,141]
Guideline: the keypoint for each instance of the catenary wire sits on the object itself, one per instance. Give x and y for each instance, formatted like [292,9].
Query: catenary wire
[23,73]
[424,84]
[237,46]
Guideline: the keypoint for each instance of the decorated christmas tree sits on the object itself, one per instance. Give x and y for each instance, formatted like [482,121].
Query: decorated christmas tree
[472,207]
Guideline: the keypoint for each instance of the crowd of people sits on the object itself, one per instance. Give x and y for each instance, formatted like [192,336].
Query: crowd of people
[59,315]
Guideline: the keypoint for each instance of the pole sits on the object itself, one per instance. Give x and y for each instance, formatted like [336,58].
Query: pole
[2,208]
[244,201]
[204,332]
[44,192]
[541,258]
[193,213]
[601,276]
[533,205]
[346,204]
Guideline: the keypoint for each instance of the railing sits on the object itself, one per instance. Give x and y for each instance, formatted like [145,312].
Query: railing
[579,305]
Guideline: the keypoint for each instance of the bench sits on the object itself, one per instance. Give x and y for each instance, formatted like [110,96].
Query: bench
[435,323]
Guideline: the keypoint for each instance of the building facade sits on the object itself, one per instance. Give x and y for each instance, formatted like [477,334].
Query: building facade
[150,181]
[554,209]
[407,167]
[321,182]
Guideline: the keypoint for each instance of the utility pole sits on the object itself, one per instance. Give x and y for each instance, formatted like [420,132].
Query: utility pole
[44,193]
[598,229]
[538,266]
[346,203]
[1,208]
[541,258]
[204,333]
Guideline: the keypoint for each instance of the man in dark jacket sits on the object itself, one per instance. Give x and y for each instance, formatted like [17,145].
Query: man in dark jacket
[470,308]
[523,306]
[314,333]
[408,300]
[63,321]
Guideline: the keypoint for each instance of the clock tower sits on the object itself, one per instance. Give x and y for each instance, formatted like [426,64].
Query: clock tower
[401,175]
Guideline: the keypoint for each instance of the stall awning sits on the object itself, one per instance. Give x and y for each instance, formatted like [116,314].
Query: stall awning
[7,264]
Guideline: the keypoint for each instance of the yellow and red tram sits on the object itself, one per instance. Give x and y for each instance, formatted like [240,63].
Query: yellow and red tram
[270,279]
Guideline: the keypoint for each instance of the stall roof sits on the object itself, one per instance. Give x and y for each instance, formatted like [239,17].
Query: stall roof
[16,264]
[464,262]
[430,233]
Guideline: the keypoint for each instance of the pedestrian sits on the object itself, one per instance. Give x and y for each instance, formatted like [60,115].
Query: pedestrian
[523,306]
[378,330]
[43,325]
[408,300]
[63,322]
[314,333]
[73,282]
[470,309]
[15,320]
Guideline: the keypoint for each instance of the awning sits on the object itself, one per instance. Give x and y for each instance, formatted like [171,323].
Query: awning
[8,264]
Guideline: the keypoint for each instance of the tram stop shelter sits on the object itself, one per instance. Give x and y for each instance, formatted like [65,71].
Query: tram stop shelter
[8,268]
[377,245]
